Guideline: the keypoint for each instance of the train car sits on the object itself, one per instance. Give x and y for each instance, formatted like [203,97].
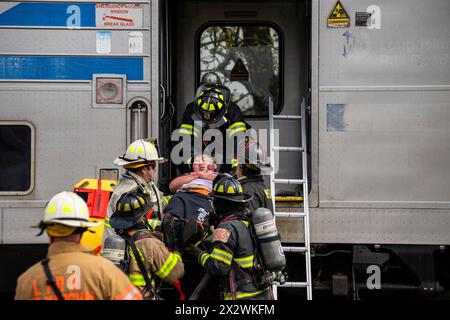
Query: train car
[79,80]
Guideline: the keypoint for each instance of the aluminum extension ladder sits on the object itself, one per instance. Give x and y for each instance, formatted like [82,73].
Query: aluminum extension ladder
[304,181]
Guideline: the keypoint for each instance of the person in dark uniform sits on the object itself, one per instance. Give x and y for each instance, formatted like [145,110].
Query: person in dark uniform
[250,172]
[212,108]
[186,219]
[233,257]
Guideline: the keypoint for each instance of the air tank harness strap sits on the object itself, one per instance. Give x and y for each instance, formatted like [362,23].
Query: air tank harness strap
[129,239]
[50,280]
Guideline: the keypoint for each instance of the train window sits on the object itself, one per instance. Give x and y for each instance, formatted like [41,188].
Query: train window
[247,59]
[16,157]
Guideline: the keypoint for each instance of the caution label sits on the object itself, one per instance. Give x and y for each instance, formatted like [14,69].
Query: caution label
[239,72]
[119,15]
[338,17]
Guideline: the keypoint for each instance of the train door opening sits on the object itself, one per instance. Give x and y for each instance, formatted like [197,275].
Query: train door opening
[259,49]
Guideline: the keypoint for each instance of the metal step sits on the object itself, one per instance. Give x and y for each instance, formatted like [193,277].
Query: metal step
[286,117]
[290,214]
[289,181]
[295,249]
[293,285]
[290,149]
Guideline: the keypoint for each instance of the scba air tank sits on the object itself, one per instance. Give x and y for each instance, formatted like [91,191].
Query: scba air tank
[268,240]
[114,250]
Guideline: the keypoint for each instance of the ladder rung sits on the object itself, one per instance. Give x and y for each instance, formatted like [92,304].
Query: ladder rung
[295,249]
[290,214]
[287,117]
[294,285]
[289,181]
[288,149]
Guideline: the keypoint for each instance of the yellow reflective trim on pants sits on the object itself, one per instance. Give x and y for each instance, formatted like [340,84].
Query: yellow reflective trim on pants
[168,266]
[187,126]
[234,131]
[138,279]
[237,124]
[228,296]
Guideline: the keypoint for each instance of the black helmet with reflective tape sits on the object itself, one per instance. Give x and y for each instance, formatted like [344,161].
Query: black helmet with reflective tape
[229,188]
[211,102]
[130,208]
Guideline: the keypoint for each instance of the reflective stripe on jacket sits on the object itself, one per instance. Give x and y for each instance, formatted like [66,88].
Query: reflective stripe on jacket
[234,254]
[157,260]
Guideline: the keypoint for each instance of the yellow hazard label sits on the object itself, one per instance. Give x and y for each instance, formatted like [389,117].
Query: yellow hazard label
[338,17]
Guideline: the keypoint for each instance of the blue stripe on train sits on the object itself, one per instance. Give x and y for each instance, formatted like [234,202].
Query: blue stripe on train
[68,68]
[49,15]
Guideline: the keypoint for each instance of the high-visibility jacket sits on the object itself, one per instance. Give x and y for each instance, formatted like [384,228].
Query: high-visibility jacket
[131,182]
[157,259]
[261,193]
[79,275]
[232,256]
[232,124]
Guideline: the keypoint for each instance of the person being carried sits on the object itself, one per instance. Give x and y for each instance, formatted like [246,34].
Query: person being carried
[186,218]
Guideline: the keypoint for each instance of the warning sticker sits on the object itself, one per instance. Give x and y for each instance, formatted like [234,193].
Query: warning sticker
[119,15]
[338,17]
[239,72]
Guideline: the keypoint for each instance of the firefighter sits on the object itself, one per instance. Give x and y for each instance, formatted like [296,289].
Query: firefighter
[250,170]
[233,255]
[212,108]
[146,251]
[140,161]
[72,271]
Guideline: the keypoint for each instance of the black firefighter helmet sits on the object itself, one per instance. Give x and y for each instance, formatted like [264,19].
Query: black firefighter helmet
[211,102]
[229,188]
[130,208]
